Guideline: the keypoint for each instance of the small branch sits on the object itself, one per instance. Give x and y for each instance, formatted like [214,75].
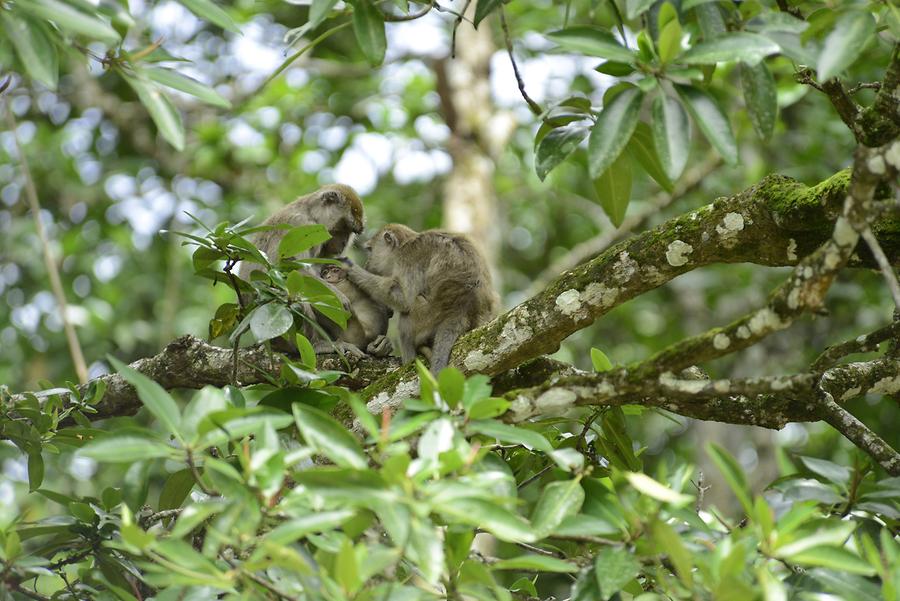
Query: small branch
[846,108]
[534,106]
[875,85]
[866,343]
[410,17]
[52,270]
[860,435]
[887,270]
[456,24]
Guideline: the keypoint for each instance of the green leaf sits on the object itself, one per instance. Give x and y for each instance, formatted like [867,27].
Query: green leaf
[643,148]
[270,321]
[600,361]
[848,586]
[614,568]
[306,350]
[828,470]
[558,501]
[194,515]
[34,47]
[709,17]
[328,436]
[711,120]
[72,20]
[613,129]
[297,528]
[365,418]
[760,97]
[556,146]
[535,563]
[319,11]
[302,238]
[173,79]
[733,474]
[613,189]
[833,557]
[368,25]
[852,33]
[35,471]
[153,396]
[744,46]
[159,106]
[483,8]
[206,9]
[669,45]
[689,4]
[426,549]
[650,487]
[488,408]
[671,135]
[451,383]
[125,449]
[346,568]
[821,533]
[82,512]
[427,384]
[633,8]
[593,42]
[669,543]
[176,489]
[500,522]
[511,434]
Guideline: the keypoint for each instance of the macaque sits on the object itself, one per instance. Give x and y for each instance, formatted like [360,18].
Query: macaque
[367,327]
[339,209]
[437,282]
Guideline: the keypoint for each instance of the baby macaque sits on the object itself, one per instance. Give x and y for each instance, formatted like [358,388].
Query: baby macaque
[437,282]
[367,327]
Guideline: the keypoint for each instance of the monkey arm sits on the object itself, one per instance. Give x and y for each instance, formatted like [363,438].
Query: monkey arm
[384,290]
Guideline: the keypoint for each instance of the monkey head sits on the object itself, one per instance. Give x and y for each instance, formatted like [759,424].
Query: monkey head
[339,209]
[333,274]
[384,244]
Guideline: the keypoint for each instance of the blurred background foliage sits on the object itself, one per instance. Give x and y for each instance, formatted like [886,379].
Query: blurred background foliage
[109,184]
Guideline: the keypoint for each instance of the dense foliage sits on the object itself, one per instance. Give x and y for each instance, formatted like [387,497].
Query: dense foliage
[291,488]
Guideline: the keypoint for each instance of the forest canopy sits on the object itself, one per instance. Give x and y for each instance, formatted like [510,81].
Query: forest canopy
[690,211]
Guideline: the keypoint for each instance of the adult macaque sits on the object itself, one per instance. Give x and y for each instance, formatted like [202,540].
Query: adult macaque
[339,209]
[437,282]
[367,327]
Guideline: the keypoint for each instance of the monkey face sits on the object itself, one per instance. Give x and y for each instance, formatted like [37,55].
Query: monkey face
[384,244]
[333,274]
[339,209]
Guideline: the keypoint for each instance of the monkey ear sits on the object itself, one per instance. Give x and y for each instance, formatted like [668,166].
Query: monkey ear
[391,238]
[331,197]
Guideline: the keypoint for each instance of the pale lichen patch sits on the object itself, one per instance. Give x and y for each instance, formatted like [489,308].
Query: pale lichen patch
[844,234]
[520,408]
[624,268]
[793,299]
[569,302]
[876,165]
[477,360]
[731,224]
[721,341]
[765,320]
[554,400]
[850,393]
[515,332]
[888,385]
[677,253]
[792,250]
[892,155]
[600,295]
[743,332]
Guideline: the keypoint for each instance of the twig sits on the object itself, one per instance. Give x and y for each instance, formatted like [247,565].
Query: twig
[55,282]
[410,17]
[887,270]
[161,515]
[534,477]
[30,594]
[859,434]
[534,106]
[875,85]
[456,25]
[861,344]
[701,491]
[846,108]
[537,550]
[197,478]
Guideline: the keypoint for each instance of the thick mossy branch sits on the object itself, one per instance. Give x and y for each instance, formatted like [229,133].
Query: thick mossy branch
[774,223]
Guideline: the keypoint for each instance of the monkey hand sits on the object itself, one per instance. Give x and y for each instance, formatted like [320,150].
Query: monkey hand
[347,262]
[380,347]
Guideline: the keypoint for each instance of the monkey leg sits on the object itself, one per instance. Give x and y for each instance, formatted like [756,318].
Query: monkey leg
[380,347]
[444,339]
[407,339]
[338,346]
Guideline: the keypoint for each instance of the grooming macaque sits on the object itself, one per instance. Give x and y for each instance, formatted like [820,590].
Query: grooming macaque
[437,282]
[368,323]
[339,209]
